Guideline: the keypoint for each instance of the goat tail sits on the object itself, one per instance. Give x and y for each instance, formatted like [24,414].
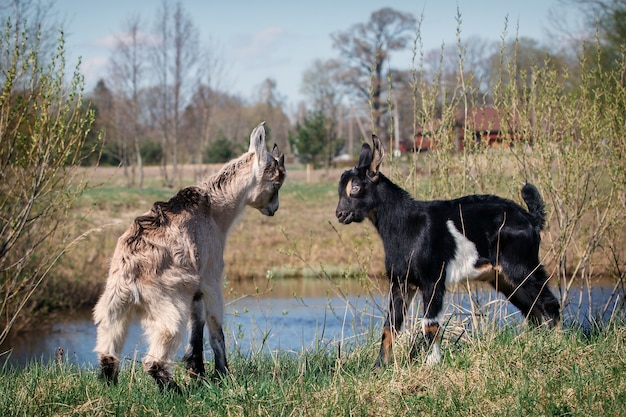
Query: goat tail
[535,204]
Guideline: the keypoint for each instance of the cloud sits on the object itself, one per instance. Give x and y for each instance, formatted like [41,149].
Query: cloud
[258,44]
[107,41]
[93,69]
[110,41]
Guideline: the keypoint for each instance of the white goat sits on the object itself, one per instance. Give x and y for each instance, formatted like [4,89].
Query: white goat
[167,267]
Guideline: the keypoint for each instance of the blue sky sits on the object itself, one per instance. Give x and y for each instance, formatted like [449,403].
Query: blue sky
[280,39]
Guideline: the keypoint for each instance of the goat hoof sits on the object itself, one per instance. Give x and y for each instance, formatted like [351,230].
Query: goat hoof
[196,372]
[379,365]
[109,369]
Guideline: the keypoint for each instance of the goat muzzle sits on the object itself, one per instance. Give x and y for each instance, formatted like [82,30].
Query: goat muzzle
[344,216]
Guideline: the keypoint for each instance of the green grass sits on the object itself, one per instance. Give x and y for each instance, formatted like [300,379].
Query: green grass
[311,193]
[112,197]
[510,371]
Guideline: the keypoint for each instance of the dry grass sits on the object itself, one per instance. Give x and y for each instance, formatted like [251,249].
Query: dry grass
[302,239]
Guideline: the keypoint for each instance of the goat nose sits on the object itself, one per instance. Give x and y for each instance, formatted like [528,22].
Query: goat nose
[268,211]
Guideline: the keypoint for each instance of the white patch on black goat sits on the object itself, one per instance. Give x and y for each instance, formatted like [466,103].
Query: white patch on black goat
[462,267]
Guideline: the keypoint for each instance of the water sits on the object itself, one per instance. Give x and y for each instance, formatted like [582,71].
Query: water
[290,316]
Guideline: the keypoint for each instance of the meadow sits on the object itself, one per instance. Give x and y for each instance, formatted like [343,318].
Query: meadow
[489,370]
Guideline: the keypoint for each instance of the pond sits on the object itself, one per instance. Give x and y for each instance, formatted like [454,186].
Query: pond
[293,315]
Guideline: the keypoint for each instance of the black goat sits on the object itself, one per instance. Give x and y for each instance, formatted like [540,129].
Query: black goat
[431,244]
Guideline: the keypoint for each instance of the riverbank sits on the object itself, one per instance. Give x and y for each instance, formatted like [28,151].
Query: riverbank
[511,371]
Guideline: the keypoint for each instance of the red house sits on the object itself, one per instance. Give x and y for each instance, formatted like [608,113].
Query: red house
[486,125]
[423,139]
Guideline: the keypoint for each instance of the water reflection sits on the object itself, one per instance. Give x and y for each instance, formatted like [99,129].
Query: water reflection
[296,315]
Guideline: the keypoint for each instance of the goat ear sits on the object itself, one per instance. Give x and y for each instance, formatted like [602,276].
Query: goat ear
[278,156]
[257,142]
[365,159]
[275,151]
[377,158]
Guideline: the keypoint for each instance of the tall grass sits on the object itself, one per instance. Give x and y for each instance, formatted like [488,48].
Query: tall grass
[564,130]
[508,372]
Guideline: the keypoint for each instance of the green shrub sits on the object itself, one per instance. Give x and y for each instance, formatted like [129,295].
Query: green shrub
[43,126]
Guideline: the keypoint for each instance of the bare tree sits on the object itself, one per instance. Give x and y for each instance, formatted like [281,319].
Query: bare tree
[175,58]
[604,24]
[476,49]
[366,47]
[269,107]
[608,16]
[127,69]
[199,113]
[38,19]
[322,84]
[102,100]
[516,61]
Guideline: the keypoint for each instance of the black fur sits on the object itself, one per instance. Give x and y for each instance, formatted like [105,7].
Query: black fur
[194,356]
[419,244]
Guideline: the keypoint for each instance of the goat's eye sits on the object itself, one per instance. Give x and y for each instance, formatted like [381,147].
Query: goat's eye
[356,188]
[276,185]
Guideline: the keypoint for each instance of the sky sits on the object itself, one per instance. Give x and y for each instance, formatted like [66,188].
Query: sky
[281,39]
